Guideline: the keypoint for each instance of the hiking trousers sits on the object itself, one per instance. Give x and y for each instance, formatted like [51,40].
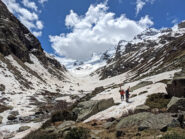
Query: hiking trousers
[122,97]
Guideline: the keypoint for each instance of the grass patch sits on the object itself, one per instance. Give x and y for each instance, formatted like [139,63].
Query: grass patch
[159,100]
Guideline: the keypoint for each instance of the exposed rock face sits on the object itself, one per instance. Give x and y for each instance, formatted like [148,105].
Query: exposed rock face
[176,87]
[176,104]
[182,25]
[88,108]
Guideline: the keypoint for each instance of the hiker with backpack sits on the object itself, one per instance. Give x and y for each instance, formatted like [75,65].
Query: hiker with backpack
[122,93]
[127,94]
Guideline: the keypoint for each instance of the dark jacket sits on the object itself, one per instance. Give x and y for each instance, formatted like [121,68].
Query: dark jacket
[127,93]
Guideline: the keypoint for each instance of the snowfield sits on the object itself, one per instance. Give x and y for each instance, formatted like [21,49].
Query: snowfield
[123,108]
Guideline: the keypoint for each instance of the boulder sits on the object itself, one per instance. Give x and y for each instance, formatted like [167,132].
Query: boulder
[88,108]
[11,117]
[133,120]
[142,108]
[2,87]
[176,87]
[23,128]
[146,120]
[176,104]
[1,119]
[160,121]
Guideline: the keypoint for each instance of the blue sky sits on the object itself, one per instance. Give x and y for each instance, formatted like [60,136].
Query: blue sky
[84,33]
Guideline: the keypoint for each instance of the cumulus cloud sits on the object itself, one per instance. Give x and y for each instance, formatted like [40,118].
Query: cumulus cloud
[141,3]
[146,21]
[29,4]
[37,34]
[28,17]
[39,24]
[96,31]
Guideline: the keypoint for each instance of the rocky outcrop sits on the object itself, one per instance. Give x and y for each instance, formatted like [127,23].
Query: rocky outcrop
[88,108]
[176,104]
[176,87]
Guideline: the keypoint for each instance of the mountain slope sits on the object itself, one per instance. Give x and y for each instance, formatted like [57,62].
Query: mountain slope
[149,53]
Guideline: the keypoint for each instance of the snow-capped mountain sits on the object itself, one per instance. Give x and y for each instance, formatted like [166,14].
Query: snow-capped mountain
[149,53]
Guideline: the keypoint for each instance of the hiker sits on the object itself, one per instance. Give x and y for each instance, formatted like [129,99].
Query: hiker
[127,94]
[122,93]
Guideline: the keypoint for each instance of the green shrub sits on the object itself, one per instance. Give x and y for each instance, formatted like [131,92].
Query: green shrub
[173,136]
[77,133]
[159,100]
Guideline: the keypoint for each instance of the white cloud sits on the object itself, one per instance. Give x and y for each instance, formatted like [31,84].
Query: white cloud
[29,4]
[28,17]
[146,21]
[42,1]
[39,24]
[37,34]
[141,3]
[96,31]
[139,6]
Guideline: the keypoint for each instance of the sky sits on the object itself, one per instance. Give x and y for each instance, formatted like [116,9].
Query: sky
[77,28]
